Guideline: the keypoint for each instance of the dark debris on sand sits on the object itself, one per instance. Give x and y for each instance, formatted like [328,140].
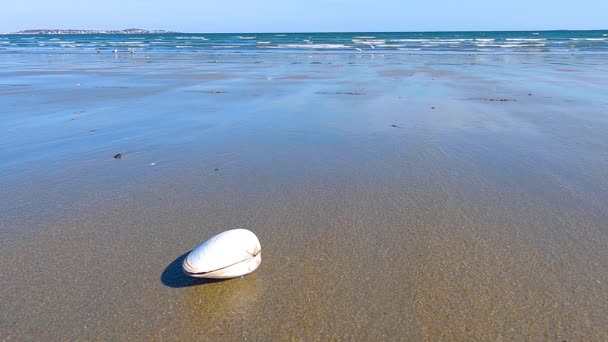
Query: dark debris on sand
[206,91]
[354,93]
[487,99]
[16,85]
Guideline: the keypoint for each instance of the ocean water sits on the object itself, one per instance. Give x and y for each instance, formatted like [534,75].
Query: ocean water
[390,42]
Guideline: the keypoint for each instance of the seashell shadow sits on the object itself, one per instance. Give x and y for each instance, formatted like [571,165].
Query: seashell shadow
[174,276]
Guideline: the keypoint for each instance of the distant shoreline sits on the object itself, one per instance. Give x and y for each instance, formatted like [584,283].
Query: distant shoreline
[71,31]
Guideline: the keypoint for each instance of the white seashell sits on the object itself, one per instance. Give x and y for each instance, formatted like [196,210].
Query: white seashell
[229,254]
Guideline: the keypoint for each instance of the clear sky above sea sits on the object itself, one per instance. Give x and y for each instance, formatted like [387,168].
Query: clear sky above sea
[307,15]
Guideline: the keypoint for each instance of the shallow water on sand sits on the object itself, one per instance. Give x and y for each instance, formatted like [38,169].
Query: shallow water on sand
[395,196]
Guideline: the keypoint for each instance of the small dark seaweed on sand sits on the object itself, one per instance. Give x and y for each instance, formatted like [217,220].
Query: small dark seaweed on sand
[494,99]
[17,85]
[356,93]
[350,93]
[206,91]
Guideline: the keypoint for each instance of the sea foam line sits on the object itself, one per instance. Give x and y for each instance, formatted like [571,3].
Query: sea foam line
[526,39]
[308,46]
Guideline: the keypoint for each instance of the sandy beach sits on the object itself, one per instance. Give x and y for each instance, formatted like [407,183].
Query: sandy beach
[396,197]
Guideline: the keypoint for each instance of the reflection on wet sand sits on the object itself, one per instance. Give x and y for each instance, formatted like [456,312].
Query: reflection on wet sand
[420,197]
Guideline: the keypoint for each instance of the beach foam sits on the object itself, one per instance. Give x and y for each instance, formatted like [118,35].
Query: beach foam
[309,46]
[526,39]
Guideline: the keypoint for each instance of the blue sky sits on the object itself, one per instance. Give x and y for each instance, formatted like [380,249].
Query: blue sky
[309,15]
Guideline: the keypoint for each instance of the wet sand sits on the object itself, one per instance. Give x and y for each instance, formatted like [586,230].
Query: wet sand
[395,197]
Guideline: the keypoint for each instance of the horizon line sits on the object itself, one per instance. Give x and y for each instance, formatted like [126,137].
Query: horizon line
[168,31]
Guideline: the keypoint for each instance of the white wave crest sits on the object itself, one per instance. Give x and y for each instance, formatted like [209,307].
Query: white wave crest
[410,40]
[369,42]
[526,39]
[512,45]
[310,46]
